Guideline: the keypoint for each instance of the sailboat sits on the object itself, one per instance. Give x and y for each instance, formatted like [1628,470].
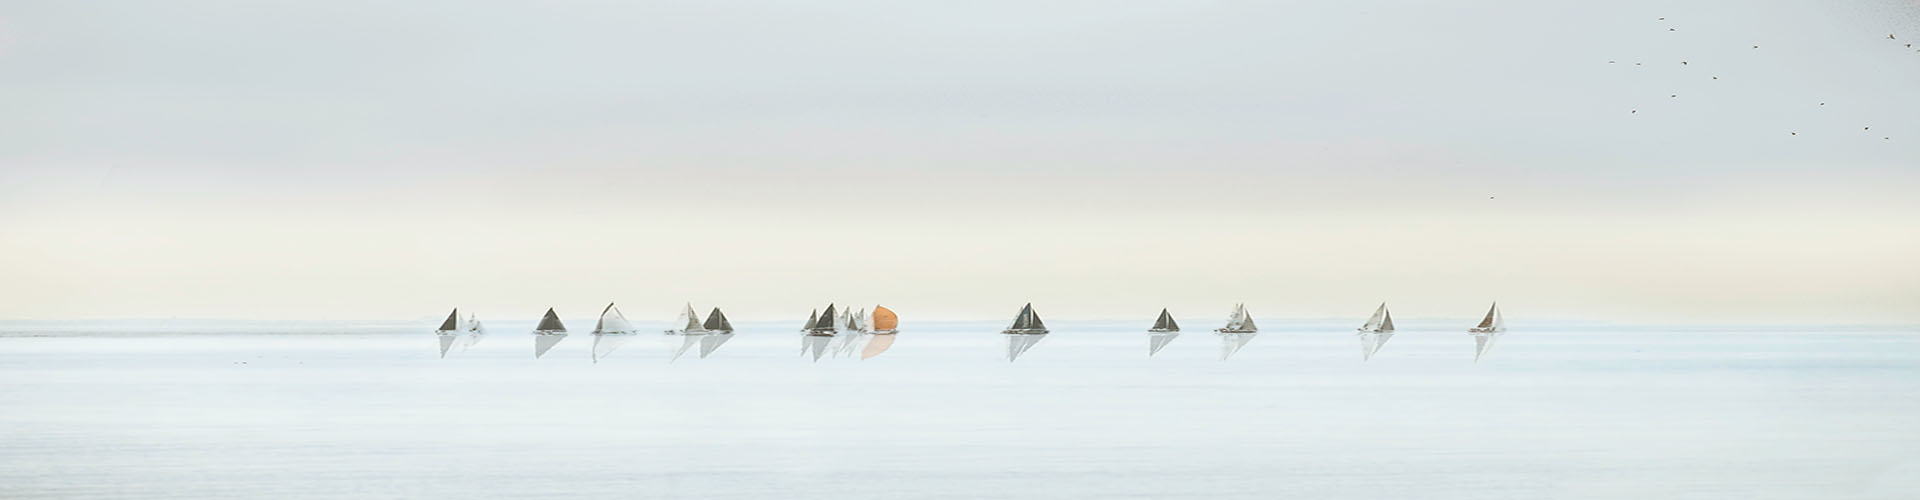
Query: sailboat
[1163,332]
[611,332]
[719,331]
[1239,331]
[1026,330]
[885,325]
[689,328]
[1488,331]
[1375,333]
[548,333]
[819,332]
[459,331]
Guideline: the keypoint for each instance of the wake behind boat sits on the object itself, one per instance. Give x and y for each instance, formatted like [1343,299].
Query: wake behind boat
[1239,331]
[1163,332]
[611,332]
[548,333]
[1375,332]
[1026,331]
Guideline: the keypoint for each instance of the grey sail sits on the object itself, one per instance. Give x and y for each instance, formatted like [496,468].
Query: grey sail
[716,321]
[1386,325]
[1028,322]
[711,343]
[550,323]
[812,319]
[1165,323]
[544,343]
[825,324]
[452,323]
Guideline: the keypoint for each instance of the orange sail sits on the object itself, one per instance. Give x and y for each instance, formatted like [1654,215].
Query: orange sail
[884,320]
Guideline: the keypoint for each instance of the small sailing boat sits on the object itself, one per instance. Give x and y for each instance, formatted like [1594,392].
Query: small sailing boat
[1375,333]
[1163,332]
[885,325]
[689,327]
[688,323]
[719,331]
[459,331]
[819,332]
[1488,331]
[1239,331]
[1026,331]
[612,331]
[548,333]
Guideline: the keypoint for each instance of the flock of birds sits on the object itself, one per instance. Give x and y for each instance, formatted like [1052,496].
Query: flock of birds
[1863,128]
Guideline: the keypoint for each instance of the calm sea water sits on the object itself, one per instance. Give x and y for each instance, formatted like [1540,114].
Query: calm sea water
[367,411]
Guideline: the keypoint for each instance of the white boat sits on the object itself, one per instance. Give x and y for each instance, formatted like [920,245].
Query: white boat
[1239,331]
[1163,332]
[459,332]
[719,331]
[885,325]
[1026,331]
[1375,333]
[548,333]
[1487,332]
[612,331]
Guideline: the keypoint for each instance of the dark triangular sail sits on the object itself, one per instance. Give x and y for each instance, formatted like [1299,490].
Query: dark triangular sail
[717,321]
[452,322]
[812,318]
[1488,321]
[1386,326]
[826,322]
[550,323]
[1165,323]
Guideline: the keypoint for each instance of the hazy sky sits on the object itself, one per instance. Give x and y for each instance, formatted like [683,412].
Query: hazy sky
[348,159]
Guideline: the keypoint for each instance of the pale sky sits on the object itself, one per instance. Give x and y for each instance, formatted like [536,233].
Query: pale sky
[365,160]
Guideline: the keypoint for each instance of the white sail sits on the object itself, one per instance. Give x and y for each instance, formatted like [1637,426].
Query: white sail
[473,331]
[688,323]
[1018,344]
[1231,343]
[710,343]
[612,331]
[1159,340]
[1493,323]
[1240,321]
[1373,322]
